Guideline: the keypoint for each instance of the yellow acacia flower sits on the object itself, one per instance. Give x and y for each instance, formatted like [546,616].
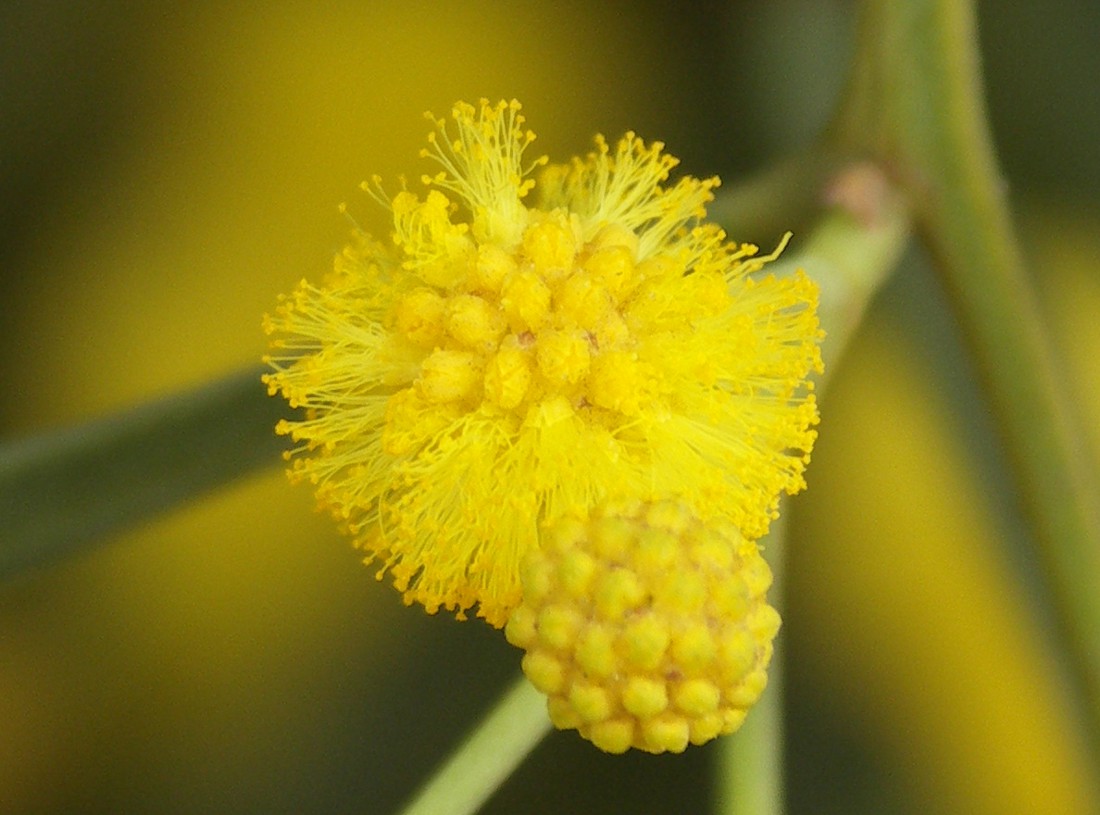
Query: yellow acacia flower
[503,365]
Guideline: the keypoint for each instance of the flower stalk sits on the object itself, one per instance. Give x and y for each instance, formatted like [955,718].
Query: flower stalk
[492,752]
[851,252]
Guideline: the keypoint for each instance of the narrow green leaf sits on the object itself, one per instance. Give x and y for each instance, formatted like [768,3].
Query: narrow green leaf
[74,487]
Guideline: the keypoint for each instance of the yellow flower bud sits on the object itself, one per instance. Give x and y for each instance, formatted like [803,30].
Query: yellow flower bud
[651,656]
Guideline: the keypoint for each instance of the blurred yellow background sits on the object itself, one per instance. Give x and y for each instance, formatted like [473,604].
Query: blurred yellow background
[166,173]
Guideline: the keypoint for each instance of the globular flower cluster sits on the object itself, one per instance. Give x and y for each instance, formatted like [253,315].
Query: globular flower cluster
[535,344]
[645,627]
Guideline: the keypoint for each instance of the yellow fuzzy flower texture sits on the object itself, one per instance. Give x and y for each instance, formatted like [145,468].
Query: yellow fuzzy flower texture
[537,342]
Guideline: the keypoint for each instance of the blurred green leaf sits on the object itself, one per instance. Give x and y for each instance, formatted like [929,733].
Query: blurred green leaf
[69,488]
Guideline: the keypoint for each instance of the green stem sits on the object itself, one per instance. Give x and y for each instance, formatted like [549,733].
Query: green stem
[750,781]
[492,751]
[781,198]
[70,488]
[915,103]
[850,253]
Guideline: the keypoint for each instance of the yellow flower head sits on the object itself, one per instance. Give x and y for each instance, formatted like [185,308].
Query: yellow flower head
[504,365]
[645,627]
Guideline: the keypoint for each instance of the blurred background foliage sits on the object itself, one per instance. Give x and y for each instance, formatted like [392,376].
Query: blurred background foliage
[165,172]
